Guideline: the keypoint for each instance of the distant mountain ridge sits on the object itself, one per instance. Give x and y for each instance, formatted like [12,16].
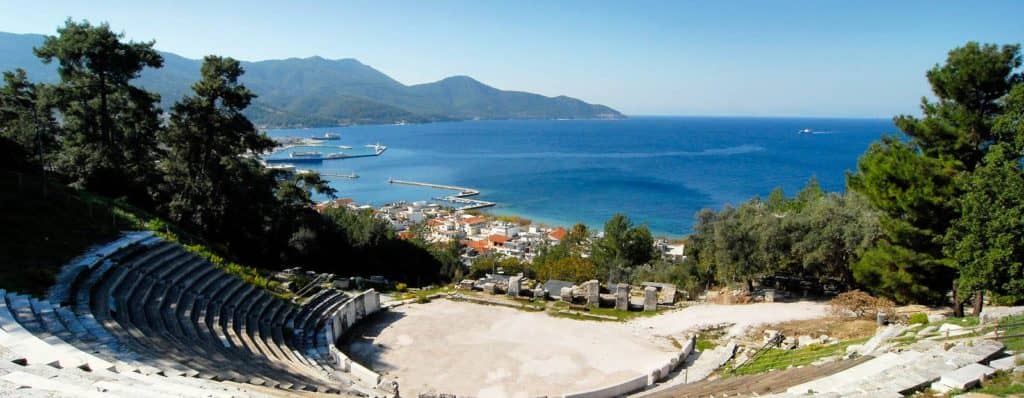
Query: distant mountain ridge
[314,91]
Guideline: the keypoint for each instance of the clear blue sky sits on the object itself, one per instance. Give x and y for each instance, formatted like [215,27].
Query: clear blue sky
[784,58]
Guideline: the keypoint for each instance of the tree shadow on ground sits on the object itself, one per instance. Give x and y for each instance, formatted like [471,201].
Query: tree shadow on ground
[359,342]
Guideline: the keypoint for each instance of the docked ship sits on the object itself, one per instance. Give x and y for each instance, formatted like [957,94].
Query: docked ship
[316,156]
[327,137]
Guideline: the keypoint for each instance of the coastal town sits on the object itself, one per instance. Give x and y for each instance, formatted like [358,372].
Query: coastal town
[477,232]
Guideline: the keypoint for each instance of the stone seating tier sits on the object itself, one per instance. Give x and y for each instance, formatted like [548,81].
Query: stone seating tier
[142,316]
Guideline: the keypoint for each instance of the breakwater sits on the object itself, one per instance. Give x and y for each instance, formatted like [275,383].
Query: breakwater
[461,197]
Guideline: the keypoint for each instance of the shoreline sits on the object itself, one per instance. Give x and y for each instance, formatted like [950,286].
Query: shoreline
[494,209]
[497,211]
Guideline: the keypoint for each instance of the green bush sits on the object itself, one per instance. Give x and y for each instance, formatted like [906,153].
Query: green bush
[401,287]
[918,318]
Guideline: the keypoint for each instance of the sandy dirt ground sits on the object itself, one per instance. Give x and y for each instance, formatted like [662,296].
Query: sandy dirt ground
[490,351]
[742,316]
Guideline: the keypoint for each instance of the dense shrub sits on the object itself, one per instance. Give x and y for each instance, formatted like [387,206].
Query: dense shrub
[918,318]
[858,304]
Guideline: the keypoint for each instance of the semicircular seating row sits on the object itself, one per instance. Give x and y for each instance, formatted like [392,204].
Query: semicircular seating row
[142,307]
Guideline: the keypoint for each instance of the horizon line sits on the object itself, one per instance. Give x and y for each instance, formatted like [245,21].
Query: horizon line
[667,115]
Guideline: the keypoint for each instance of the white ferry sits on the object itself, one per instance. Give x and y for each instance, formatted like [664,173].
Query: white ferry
[327,137]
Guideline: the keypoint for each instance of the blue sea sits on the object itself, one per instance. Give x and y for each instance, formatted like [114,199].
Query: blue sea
[657,170]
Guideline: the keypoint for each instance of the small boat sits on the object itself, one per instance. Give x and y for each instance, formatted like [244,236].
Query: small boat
[306,154]
[353,175]
[806,131]
[327,137]
[377,148]
[344,147]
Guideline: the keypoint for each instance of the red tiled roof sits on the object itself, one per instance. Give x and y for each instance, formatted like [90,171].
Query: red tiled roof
[498,238]
[557,233]
[481,246]
[474,220]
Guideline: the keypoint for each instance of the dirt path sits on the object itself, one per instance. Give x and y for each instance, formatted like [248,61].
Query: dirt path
[742,316]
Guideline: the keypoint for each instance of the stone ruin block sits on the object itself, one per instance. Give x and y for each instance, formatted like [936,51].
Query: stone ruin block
[539,293]
[514,285]
[360,306]
[592,293]
[489,288]
[769,295]
[371,301]
[566,294]
[650,298]
[466,284]
[622,297]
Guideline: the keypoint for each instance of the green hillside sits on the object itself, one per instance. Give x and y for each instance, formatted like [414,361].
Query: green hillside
[306,92]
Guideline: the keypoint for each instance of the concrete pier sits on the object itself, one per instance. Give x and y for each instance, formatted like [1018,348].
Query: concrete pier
[461,197]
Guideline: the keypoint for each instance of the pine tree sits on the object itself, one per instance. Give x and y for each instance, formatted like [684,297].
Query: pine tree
[110,145]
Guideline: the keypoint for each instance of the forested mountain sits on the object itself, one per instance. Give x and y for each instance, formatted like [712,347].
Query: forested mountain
[319,92]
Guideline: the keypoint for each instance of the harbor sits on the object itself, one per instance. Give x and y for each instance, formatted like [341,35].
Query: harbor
[461,197]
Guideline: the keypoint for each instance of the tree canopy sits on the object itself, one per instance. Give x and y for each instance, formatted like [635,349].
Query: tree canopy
[987,240]
[914,182]
[111,126]
[198,168]
[623,247]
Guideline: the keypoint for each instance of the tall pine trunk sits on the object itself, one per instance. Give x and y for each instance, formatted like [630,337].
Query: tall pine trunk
[958,306]
[979,298]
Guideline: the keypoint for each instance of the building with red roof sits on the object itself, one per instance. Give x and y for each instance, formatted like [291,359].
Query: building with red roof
[557,234]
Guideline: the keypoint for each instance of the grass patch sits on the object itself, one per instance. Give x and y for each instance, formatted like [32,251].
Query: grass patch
[704,344]
[966,321]
[579,316]
[1012,326]
[918,318]
[777,358]
[624,316]
[423,294]
[1002,384]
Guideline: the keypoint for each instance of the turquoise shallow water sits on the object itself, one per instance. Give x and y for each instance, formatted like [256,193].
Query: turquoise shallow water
[657,170]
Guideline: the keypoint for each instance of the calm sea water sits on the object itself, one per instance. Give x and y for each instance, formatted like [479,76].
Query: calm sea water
[657,170]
